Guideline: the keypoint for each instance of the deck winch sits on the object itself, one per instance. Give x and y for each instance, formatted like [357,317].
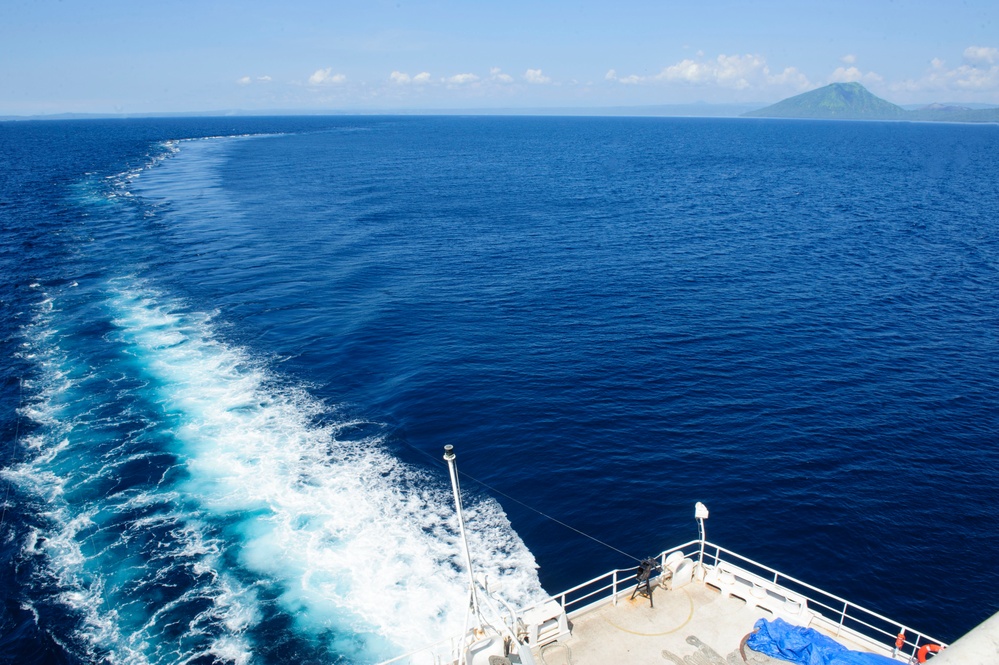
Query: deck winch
[646,569]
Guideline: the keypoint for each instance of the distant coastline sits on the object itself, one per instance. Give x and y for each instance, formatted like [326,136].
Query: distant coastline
[695,110]
[837,101]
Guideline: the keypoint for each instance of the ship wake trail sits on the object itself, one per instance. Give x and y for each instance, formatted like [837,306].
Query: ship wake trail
[193,504]
[120,568]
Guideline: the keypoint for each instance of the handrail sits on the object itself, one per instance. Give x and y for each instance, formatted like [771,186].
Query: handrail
[615,585]
[850,616]
[847,613]
[429,649]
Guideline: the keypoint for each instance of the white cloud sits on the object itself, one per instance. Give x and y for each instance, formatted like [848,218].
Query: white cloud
[848,59]
[611,75]
[729,71]
[979,74]
[687,70]
[845,75]
[461,79]
[981,55]
[739,72]
[791,78]
[854,75]
[326,77]
[535,76]
[497,75]
[747,74]
[403,78]
[247,80]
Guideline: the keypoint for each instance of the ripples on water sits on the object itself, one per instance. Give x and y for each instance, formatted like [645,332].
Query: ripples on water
[240,358]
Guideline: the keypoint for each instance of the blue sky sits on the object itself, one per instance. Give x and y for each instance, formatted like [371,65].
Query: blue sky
[180,55]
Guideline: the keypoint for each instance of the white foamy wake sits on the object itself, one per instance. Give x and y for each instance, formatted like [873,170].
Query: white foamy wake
[102,190]
[257,500]
[81,539]
[359,547]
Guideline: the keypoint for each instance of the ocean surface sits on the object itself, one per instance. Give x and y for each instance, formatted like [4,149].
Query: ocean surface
[232,349]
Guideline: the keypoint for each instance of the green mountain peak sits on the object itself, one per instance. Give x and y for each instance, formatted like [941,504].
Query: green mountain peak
[844,101]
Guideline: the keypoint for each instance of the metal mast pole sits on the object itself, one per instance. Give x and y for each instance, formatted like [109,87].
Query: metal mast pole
[701,514]
[453,468]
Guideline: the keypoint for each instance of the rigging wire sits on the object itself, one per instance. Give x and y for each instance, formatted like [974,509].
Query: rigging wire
[553,519]
[531,508]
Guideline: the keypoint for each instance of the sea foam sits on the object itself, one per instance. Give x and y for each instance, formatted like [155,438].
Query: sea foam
[362,546]
[254,499]
[128,560]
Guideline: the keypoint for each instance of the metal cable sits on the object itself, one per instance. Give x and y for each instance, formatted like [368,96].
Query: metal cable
[533,509]
[568,652]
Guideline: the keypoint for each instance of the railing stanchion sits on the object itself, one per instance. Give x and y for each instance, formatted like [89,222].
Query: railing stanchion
[821,603]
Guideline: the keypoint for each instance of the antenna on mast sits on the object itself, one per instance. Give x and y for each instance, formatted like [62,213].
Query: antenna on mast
[453,468]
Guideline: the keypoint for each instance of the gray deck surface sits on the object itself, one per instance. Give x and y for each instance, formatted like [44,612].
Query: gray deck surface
[694,625]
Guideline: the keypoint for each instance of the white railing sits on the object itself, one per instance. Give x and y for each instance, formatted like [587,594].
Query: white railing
[432,654]
[839,616]
[609,586]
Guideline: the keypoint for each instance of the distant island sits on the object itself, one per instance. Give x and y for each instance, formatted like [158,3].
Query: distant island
[837,101]
[852,101]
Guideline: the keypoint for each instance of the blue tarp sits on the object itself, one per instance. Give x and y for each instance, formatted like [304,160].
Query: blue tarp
[806,646]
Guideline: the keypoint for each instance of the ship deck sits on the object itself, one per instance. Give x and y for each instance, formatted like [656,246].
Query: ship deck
[695,624]
[709,602]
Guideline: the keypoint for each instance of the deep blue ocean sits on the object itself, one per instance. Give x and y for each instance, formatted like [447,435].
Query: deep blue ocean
[232,349]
